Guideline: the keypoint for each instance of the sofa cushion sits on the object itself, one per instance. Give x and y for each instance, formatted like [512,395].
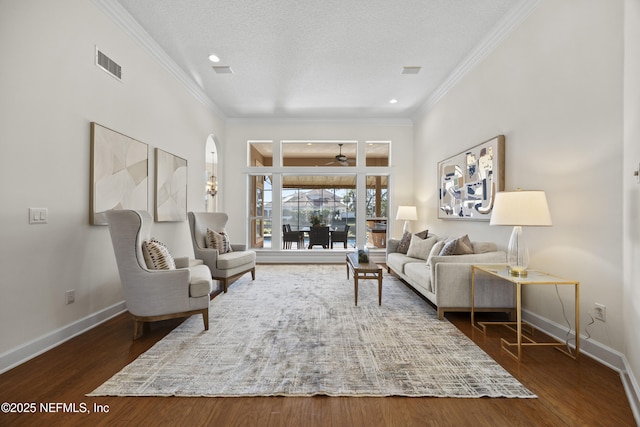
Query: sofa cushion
[418,272]
[157,256]
[403,246]
[235,259]
[397,261]
[420,248]
[484,247]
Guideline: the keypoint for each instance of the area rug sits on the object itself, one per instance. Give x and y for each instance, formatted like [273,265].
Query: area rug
[295,331]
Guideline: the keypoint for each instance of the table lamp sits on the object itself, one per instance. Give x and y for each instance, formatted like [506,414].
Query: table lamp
[407,213]
[520,208]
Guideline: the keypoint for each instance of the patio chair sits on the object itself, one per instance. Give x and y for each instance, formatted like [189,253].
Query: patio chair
[340,236]
[319,236]
[289,237]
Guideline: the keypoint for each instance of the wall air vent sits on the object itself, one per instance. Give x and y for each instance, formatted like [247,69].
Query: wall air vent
[411,70]
[108,65]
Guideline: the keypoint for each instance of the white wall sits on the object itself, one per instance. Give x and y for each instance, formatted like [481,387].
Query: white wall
[554,89]
[50,92]
[238,132]
[631,186]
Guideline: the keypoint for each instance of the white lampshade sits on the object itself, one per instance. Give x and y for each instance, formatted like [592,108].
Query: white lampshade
[526,208]
[520,208]
[407,213]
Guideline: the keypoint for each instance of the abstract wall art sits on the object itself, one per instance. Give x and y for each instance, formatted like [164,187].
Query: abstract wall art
[469,181]
[171,187]
[119,173]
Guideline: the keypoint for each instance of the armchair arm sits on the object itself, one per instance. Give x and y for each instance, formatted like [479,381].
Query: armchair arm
[157,292]
[239,246]
[208,256]
[181,262]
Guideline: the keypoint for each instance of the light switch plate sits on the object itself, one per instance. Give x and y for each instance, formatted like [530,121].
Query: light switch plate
[38,215]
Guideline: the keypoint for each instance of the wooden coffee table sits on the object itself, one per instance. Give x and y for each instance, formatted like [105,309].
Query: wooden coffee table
[369,270]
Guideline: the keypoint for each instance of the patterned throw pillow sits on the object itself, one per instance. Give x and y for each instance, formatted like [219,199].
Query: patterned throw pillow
[448,248]
[218,240]
[460,246]
[157,256]
[405,241]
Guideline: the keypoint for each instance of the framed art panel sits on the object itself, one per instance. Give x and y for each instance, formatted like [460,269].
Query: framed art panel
[469,181]
[171,187]
[119,173]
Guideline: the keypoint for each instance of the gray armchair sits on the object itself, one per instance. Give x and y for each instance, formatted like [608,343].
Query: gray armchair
[153,295]
[224,267]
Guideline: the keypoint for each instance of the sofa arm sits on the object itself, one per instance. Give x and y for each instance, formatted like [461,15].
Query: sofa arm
[392,246]
[451,276]
[452,286]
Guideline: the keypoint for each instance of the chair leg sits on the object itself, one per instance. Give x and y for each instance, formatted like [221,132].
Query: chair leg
[138,327]
[205,319]
[225,284]
[253,273]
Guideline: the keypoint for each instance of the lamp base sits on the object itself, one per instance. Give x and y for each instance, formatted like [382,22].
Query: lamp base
[518,271]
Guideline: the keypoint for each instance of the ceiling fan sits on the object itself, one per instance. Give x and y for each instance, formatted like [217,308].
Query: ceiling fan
[341,158]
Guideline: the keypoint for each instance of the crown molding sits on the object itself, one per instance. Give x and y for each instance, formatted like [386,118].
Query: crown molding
[120,16]
[488,44]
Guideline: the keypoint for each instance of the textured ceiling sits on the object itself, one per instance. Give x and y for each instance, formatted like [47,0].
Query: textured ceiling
[319,59]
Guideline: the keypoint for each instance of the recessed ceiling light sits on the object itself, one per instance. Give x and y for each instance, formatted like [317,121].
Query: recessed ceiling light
[393,101]
[214,58]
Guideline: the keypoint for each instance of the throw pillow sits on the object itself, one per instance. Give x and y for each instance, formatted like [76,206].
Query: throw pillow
[448,248]
[435,250]
[423,234]
[157,256]
[403,246]
[463,246]
[218,240]
[420,248]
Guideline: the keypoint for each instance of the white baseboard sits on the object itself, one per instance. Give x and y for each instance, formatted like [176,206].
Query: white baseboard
[598,351]
[19,355]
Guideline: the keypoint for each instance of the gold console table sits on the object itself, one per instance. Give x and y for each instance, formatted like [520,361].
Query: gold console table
[533,278]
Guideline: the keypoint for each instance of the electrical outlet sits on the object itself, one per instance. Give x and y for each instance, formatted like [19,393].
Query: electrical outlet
[600,312]
[70,296]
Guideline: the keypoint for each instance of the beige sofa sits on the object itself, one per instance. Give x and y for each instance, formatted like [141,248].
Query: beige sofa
[445,280]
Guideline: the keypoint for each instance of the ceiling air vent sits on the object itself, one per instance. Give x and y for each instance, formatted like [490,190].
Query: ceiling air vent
[411,70]
[108,65]
[222,69]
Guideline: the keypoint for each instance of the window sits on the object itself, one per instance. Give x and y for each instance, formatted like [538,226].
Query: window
[298,184]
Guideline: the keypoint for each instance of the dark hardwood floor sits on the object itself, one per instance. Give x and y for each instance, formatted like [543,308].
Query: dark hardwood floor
[570,392]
